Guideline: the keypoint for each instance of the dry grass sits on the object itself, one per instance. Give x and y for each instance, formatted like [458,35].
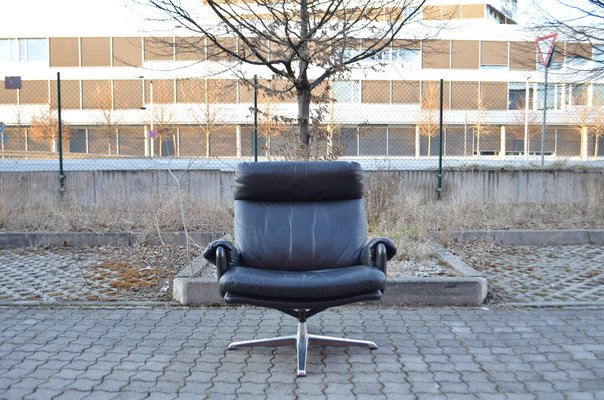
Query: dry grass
[126,276]
[160,214]
[411,218]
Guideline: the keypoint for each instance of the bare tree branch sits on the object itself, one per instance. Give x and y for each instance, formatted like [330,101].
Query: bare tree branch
[302,41]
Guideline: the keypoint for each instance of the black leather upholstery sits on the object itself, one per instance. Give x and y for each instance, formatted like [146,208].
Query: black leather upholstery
[296,236]
[300,181]
[300,233]
[300,245]
[304,285]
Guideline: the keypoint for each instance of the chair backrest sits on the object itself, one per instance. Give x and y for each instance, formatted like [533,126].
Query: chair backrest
[299,215]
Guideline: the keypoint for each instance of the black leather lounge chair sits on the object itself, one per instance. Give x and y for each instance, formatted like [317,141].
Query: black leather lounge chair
[300,246]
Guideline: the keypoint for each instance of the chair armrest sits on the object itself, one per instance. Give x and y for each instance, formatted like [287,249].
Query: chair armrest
[223,254]
[377,252]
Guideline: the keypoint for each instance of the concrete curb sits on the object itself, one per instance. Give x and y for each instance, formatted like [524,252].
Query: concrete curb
[91,239]
[469,289]
[87,239]
[533,237]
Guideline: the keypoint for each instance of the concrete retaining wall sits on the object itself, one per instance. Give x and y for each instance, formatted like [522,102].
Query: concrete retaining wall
[214,187]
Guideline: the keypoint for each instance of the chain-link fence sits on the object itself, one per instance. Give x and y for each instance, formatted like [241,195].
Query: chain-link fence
[209,123]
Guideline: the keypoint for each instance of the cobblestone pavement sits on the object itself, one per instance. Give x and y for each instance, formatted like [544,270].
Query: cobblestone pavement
[180,353]
[515,273]
[89,274]
[539,273]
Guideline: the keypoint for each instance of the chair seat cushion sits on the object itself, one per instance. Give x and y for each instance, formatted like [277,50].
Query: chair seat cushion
[315,284]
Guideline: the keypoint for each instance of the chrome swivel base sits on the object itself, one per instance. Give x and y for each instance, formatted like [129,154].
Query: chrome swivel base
[301,340]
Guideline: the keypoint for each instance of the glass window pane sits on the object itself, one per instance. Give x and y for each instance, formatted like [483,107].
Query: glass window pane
[37,50]
[347,91]
[550,96]
[22,49]
[405,55]
[8,50]
[517,96]
[578,95]
[598,54]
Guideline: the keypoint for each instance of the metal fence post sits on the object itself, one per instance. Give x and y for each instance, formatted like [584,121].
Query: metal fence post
[60,128]
[439,188]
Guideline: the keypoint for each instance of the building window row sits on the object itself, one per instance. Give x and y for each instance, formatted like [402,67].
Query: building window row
[430,54]
[526,95]
[24,50]
[458,95]
[347,140]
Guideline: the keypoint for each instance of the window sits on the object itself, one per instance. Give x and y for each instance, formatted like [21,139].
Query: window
[412,13]
[576,62]
[554,93]
[578,95]
[517,96]
[25,50]
[347,54]
[8,50]
[78,141]
[34,49]
[578,55]
[381,56]
[493,55]
[397,55]
[410,56]
[347,91]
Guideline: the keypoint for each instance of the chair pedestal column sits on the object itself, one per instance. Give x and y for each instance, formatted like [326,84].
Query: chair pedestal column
[302,339]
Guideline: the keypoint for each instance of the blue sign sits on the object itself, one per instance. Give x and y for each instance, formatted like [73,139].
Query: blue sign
[152,134]
[4,138]
[2,127]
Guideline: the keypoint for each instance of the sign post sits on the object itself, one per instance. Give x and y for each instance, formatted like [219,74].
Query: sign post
[545,47]
[3,138]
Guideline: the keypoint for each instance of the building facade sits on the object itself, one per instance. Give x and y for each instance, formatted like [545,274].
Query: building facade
[128,91]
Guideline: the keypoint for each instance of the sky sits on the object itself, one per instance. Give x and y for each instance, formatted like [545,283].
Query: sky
[122,14]
[528,10]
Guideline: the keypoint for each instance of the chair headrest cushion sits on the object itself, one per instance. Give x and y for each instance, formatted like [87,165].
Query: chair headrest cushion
[298,181]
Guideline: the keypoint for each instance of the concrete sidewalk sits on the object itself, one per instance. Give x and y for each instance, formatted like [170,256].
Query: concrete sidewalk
[180,353]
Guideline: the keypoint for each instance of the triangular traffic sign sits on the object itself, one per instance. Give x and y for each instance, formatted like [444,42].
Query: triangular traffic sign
[545,47]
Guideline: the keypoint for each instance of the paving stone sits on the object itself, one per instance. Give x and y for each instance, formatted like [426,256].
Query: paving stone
[380,374]
[542,273]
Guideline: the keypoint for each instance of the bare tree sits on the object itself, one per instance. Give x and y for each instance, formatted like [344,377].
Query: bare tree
[206,96]
[164,127]
[597,131]
[591,124]
[581,24]
[526,125]
[481,126]
[304,42]
[429,117]
[109,119]
[271,126]
[45,126]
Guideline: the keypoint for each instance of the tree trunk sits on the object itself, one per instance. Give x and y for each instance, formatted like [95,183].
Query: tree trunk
[304,97]
[303,86]
[207,144]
